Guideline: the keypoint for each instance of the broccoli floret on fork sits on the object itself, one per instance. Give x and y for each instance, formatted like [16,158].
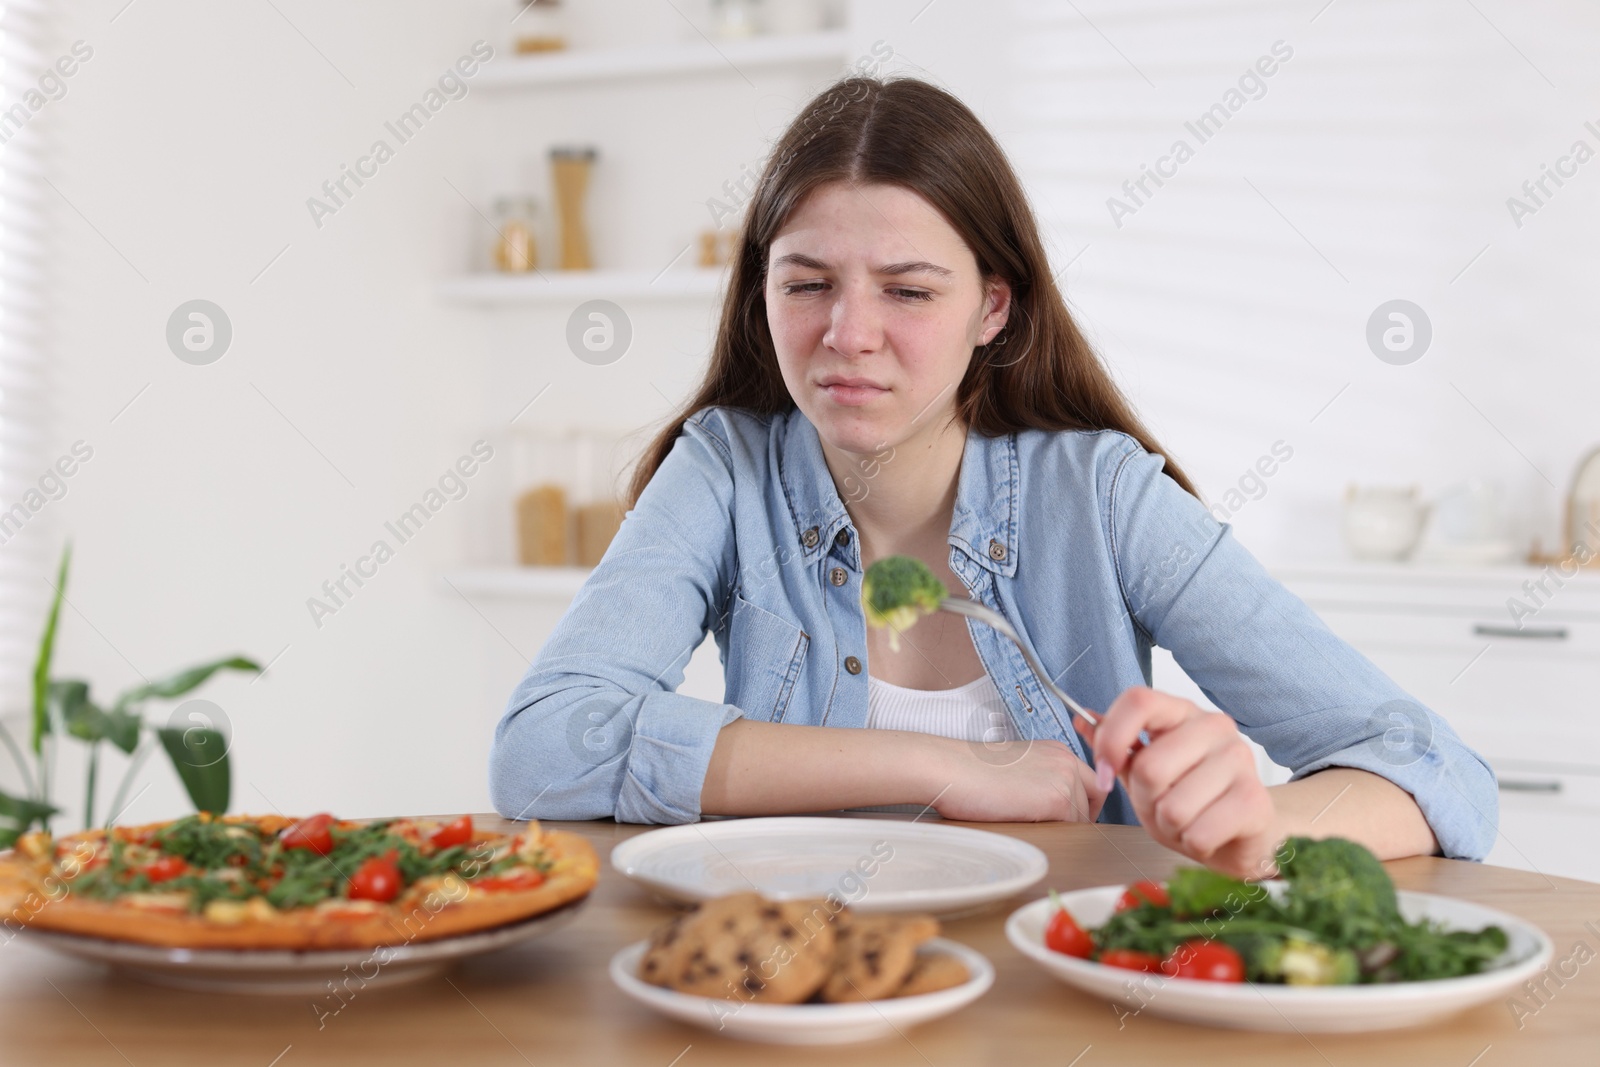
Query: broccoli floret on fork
[897,591]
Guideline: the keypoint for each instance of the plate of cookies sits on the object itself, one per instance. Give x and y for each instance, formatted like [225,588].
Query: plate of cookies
[800,972]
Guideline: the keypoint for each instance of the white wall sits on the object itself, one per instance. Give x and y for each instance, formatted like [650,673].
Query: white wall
[191,140]
[224,496]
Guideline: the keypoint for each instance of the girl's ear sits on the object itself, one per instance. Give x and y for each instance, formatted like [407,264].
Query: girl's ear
[997,306]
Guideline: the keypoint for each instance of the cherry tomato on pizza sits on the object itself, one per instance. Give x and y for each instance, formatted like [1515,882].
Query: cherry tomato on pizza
[313,833]
[454,833]
[378,878]
[518,880]
[165,868]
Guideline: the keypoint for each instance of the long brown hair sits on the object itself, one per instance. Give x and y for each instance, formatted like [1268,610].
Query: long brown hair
[1036,373]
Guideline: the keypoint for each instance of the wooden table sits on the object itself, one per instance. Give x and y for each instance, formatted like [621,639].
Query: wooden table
[550,1002]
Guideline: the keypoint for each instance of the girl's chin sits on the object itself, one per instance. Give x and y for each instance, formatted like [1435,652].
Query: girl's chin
[860,437]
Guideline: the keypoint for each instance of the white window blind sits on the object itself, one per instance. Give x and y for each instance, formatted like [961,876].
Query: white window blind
[28,546]
[1373,163]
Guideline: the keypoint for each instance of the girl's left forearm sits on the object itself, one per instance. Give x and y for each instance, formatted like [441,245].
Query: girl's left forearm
[1355,804]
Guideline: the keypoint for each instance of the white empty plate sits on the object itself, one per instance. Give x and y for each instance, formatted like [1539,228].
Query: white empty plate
[1283,1008]
[870,864]
[806,1024]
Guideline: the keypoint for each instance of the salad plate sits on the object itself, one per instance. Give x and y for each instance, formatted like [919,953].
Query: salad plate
[1286,1008]
[806,1024]
[870,864]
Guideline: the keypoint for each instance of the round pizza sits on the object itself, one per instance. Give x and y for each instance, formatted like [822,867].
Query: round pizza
[270,882]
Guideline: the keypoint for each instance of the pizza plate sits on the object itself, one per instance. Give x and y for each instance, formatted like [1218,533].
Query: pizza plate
[874,865]
[283,972]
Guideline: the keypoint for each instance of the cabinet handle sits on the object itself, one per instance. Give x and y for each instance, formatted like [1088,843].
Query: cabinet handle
[1535,633]
[1528,785]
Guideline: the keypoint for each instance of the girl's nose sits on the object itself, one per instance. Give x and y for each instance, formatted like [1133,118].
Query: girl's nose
[855,324]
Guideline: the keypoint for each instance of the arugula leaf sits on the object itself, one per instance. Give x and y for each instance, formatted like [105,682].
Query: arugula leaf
[1198,891]
[208,844]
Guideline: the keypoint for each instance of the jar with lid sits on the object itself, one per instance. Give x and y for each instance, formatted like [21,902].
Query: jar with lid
[515,250]
[538,26]
[542,466]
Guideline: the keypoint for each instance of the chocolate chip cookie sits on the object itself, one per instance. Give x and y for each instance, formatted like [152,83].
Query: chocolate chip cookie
[745,947]
[875,954]
[932,972]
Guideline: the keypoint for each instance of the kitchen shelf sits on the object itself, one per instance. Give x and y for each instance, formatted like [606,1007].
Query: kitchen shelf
[643,61]
[489,290]
[554,584]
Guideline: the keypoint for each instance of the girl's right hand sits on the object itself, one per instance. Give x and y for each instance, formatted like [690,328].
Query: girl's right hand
[1016,781]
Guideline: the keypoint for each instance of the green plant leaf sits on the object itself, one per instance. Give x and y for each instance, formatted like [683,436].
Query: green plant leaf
[41,666]
[122,729]
[18,815]
[200,756]
[185,680]
[70,695]
[87,721]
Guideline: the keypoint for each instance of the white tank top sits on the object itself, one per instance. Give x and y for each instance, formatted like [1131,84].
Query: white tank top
[972,712]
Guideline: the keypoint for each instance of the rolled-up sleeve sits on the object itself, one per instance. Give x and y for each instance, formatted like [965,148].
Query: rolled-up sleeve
[595,728]
[1263,656]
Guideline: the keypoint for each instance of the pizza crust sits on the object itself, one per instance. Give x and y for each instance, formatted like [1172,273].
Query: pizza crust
[422,913]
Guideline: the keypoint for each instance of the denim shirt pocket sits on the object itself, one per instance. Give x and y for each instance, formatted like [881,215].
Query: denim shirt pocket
[765,653]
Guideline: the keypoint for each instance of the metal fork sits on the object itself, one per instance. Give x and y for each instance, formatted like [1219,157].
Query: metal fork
[985,614]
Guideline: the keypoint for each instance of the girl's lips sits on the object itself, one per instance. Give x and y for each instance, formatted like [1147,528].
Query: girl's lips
[852,395]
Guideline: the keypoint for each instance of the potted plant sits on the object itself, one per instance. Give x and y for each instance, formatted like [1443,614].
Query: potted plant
[63,708]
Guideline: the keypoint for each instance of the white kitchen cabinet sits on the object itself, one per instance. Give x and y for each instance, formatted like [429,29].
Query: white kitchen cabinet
[1525,696]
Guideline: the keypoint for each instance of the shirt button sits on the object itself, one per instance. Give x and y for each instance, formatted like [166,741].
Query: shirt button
[996,550]
[810,538]
[838,576]
[842,538]
[852,665]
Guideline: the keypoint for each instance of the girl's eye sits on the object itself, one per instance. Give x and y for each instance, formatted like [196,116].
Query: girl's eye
[795,288]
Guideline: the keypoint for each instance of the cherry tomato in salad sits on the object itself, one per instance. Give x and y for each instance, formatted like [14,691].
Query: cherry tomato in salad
[1208,961]
[376,879]
[1144,893]
[1132,960]
[312,833]
[519,880]
[165,869]
[1063,934]
[455,833]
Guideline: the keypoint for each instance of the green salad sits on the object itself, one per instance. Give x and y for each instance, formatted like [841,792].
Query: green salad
[1338,922]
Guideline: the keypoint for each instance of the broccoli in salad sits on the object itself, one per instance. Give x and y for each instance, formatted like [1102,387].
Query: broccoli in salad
[897,591]
[1337,922]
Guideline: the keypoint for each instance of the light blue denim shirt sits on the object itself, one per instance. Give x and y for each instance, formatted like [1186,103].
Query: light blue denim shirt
[1078,538]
